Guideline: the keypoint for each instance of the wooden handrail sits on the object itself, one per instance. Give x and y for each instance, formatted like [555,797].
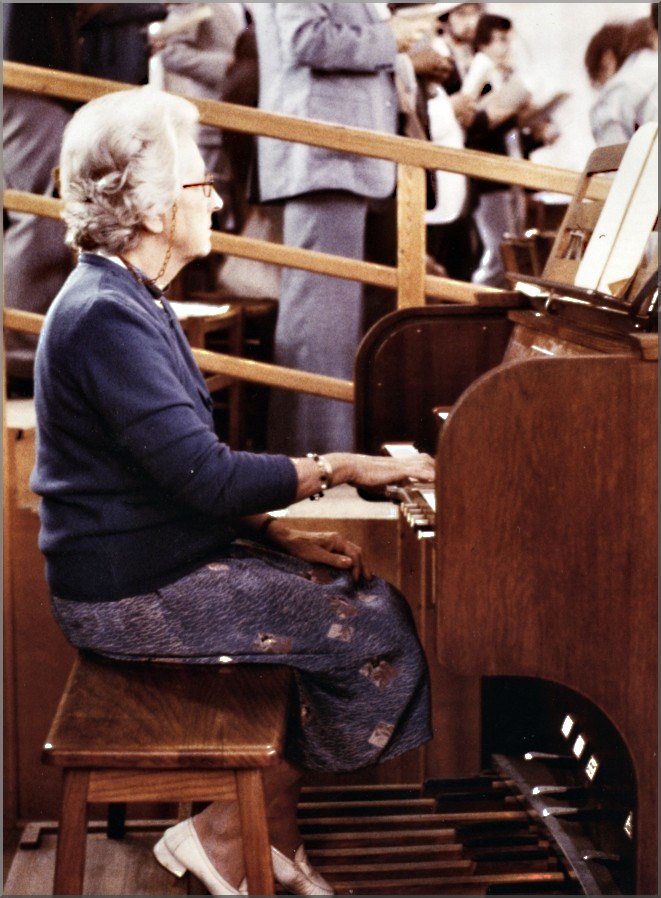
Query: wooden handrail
[219,363]
[408,279]
[274,375]
[278,254]
[25,322]
[233,117]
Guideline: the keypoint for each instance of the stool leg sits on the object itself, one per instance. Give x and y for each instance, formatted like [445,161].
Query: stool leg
[72,834]
[254,832]
[116,822]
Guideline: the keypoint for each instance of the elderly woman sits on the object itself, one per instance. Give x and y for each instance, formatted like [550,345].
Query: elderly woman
[156,535]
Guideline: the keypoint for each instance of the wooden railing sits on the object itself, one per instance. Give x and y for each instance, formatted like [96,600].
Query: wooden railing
[408,278]
[230,365]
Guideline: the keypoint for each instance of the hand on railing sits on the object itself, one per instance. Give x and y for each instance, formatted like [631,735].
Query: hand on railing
[434,267]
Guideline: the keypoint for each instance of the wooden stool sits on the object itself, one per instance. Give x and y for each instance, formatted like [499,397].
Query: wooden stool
[127,732]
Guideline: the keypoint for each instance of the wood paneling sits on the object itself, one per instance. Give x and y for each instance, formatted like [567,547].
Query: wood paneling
[415,359]
[40,656]
[556,577]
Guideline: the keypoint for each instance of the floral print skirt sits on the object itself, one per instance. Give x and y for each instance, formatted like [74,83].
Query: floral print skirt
[360,672]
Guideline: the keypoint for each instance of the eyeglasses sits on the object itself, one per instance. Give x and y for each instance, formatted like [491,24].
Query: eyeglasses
[208,185]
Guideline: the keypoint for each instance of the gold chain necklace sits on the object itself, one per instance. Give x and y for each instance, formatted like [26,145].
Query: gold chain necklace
[168,251]
[149,283]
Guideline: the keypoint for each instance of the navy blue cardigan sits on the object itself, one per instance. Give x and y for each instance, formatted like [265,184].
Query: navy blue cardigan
[136,488]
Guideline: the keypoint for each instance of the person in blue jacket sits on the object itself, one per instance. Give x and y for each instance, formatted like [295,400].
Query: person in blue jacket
[157,537]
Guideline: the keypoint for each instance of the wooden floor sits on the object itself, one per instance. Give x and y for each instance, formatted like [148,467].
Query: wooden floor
[124,867]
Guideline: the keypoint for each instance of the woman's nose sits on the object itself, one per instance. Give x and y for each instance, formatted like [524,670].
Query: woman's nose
[216,202]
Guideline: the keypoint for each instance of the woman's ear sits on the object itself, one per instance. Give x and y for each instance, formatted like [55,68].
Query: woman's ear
[155,224]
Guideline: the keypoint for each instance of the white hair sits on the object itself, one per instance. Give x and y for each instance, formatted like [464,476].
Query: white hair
[119,164]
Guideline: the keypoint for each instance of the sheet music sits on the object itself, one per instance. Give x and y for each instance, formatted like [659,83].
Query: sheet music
[634,234]
[620,237]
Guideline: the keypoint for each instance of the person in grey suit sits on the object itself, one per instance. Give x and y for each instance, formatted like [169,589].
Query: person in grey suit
[334,62]
[195,60]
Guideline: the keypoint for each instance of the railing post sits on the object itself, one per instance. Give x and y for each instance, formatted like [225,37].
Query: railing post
[411,240]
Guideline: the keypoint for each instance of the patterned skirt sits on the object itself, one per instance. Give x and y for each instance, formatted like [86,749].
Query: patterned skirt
[360,672]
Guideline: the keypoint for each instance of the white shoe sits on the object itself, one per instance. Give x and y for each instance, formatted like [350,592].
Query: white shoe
[179,849]
[298,875]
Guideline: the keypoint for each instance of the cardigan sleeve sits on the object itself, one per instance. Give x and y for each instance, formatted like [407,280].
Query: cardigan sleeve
[131,374]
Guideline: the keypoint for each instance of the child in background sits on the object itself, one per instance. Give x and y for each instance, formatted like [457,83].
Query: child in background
[492,64]
[492,82]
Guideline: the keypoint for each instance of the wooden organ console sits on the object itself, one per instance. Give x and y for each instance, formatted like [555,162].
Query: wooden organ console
[530,563]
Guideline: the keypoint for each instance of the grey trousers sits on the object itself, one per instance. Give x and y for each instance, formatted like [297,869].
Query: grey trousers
[498,212]
[36,259]
[319,324]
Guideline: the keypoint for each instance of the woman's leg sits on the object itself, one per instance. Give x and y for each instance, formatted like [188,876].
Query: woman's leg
[359,670]
[218,825]
[282,785]
[493,218]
